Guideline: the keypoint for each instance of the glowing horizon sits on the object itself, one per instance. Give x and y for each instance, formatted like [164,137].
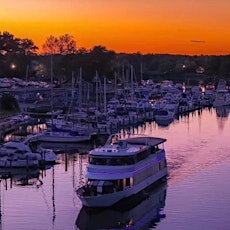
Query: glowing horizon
[146,26]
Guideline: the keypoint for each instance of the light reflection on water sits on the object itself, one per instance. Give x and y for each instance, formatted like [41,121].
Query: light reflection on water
[195,144]
[200,202]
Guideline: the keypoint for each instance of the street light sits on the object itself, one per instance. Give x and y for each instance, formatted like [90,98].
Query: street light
[13,67]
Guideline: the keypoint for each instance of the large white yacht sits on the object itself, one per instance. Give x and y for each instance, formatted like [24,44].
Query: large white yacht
[122,168]
[142,212]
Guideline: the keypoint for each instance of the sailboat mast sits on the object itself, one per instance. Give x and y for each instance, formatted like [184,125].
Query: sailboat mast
[115,84]
[80,90]
[141,73]
[51,79]
[105,105]
[96,90]
[132,82]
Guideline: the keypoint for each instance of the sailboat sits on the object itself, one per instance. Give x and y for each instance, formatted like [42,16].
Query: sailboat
[59,135]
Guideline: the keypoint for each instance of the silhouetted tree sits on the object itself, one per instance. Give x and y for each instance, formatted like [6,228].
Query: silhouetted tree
[10,44]
[225,66]
[212,65]
[27,46]
[102,60]
[7,43]
[63,45]
[67,45]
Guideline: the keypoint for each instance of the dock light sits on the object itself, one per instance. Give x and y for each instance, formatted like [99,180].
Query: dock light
[13,66]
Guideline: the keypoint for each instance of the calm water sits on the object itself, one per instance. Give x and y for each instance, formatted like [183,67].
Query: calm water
[196,195]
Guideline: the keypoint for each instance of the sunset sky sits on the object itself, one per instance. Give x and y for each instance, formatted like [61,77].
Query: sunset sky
[130,26]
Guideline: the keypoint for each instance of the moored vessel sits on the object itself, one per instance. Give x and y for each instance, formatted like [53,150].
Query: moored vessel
[122,168]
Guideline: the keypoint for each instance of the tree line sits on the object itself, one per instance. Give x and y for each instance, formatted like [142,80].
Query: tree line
[19,57]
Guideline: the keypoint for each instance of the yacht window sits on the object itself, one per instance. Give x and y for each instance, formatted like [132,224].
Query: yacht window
[129,160]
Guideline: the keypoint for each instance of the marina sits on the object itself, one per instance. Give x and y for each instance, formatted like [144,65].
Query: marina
[138,165]
[107,110]
[107,122]
[193,155]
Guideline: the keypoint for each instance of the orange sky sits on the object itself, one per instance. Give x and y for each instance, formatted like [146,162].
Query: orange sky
[146,26]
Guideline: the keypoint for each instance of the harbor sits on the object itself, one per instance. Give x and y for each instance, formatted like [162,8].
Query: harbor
[47,151]
[193,154]
[107,109]
[114,115]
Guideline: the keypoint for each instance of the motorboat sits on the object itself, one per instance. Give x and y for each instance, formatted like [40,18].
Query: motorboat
[14,161]
[164,117]
[222,95]
[222,98]
[28,148]
[121,168]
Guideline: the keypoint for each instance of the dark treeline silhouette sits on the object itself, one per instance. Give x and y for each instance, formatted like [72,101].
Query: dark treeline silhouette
[20,58]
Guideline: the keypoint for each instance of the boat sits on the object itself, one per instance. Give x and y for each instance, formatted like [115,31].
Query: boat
[62,137]
[28,148]
[222,98]
[144,212]
[59,121]
[20,118]
[222,95]
[164,117]
[14,161]
[121,168]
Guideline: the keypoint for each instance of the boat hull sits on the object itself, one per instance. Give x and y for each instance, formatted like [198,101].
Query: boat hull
[5,163]
[111,199]
[138,211]
[63,138]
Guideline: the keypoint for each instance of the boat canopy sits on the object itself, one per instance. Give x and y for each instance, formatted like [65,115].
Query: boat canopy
[153,141]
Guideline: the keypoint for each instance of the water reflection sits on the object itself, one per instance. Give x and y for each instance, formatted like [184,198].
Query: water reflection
[142,213]
[222,113]
[23,177]
[164,123]
[194,144]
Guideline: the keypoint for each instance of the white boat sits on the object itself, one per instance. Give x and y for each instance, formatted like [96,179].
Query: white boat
[59,121]
[222,98]
[222,95]
[122,168]
[77,128]
[12,147]
[20,118]
[28,148]
[140,212]
[164,117]
[15,161]
[62,137]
